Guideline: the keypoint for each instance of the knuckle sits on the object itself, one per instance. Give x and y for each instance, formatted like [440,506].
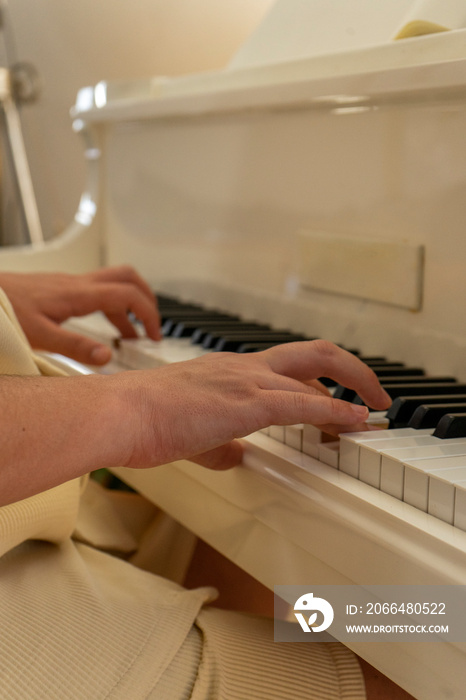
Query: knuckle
[300,403]
[335,410]
[126,271]
[325,348]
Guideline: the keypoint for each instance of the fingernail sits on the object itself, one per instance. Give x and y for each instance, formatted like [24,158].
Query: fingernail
[100,354]
[360,412]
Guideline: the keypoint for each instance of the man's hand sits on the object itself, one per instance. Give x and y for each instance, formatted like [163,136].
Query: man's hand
[57,428]
[42,301]
[197,409]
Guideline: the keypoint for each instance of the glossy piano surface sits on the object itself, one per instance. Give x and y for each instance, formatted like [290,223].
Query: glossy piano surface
[309,200]
[285,516]
[322,195]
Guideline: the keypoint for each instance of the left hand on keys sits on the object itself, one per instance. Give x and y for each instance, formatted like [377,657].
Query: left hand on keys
[42,301]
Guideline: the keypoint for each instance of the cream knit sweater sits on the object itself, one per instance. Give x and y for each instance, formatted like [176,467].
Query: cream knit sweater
[50,515]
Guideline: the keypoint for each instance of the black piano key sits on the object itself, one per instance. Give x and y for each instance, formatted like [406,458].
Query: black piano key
[262,335]
[411,388]
[352,351]
[451,426]
[172,314]
[165,301]
[186,329]
[395,381]
[190,309]
[345,394]
[391,385]
[200,335]
[414,389]
[180,308]
[326,381]
[230,342]
[374,364]
[397,372]
[403,407]
[170,322]
[428,415]
[378,360]
[256,347]
[194,314]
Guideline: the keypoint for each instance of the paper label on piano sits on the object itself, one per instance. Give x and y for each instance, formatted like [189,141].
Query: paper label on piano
[370,613]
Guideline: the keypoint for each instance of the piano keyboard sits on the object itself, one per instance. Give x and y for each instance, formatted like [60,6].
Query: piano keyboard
[412,464]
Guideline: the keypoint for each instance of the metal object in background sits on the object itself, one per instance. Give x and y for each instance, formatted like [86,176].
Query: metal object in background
[19,83]
[25,82]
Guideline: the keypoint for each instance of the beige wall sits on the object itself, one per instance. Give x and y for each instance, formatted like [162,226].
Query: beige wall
[73,44]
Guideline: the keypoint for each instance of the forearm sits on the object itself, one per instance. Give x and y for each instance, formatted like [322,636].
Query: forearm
[53,429]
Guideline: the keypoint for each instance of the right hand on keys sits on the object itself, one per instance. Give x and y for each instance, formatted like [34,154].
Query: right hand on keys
[57,428]
[197,409]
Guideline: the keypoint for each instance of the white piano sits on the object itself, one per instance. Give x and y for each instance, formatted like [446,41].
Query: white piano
[324,194]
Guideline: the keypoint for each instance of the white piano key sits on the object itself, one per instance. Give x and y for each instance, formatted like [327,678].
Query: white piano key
[350,444]
[329,453]
[349,455]
[294,436]
[442,448]
[416,477]
[277,432]
[392,478]
[138,353]
[312,437]
[459,519]
[392,463]
[96,326]
[415,485]
[370,461]
[143,353]
[441,501]
[378,419]
[442,491]
[368,474]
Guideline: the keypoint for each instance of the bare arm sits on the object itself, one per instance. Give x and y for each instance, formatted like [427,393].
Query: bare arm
[43,301]
[53,429]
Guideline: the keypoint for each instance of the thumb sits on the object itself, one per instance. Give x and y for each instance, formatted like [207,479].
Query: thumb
[56,339]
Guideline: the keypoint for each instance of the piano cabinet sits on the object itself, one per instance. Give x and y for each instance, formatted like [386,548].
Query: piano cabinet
[236,189]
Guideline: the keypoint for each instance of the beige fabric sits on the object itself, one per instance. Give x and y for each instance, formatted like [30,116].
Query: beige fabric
[77,623]
[242,662]
[50,515]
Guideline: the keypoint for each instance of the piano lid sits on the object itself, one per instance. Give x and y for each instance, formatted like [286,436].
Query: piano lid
[301,42]
[297,29]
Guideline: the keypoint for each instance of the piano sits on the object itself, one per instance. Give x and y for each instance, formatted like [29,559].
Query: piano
[322,196]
